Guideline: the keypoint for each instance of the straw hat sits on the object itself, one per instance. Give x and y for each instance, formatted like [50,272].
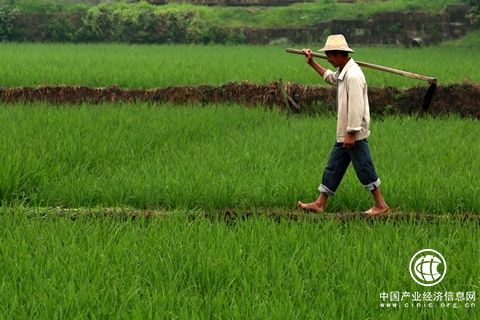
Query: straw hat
[336,42]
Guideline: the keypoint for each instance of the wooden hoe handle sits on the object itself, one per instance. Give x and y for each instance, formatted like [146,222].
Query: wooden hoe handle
[407,74]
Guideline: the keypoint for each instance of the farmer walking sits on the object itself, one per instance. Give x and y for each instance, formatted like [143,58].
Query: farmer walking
[353,121]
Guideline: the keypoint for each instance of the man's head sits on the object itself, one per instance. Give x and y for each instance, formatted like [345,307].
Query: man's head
[337,50]
[337,58]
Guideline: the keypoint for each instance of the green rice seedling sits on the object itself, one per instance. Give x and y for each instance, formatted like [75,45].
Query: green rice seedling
[89,267]
[151,66]
[224,156]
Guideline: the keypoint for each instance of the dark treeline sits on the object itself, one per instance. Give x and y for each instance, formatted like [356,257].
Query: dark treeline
[110,23]
[147,23]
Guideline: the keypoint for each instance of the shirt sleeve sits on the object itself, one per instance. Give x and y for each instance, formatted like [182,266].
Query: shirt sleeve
[356,104]
[330,77]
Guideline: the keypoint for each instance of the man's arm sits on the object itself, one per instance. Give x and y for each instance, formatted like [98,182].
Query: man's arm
[318,68]
[326,74]
[356,103]
[356,110]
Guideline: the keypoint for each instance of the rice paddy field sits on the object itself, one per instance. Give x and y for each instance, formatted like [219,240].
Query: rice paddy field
[120,210]
[145,156]
[149,66]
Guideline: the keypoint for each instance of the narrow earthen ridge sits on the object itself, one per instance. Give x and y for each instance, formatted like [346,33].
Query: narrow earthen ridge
[242,214]
[461,99]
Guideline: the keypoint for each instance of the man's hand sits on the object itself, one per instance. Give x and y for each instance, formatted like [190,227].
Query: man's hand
[349,141]
[308,55]
[318,68]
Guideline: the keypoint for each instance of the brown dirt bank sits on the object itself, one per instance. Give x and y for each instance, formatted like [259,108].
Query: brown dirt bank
[461,99]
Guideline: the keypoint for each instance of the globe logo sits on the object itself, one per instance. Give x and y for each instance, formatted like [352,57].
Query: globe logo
[428,267]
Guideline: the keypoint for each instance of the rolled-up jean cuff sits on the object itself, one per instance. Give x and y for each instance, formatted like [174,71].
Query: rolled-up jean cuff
[372,186]
[325,190]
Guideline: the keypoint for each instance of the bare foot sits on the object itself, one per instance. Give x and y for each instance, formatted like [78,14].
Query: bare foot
[375,211]
[315,207]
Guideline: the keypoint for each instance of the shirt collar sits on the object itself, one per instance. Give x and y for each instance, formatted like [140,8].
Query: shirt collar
[345,68]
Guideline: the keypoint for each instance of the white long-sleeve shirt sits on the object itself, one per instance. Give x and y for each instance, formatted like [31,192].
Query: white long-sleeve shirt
[353,110]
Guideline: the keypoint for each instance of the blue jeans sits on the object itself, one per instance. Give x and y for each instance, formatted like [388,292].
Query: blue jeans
[339,161]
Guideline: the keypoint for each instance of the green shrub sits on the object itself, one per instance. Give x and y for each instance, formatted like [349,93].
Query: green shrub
[474,13]
[138,24]
[7,17]
[51,23]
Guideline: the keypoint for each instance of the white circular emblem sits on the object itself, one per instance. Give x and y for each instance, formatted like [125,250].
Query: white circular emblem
[428,267]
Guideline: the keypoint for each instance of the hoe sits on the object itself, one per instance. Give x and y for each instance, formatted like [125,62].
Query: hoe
[427,99]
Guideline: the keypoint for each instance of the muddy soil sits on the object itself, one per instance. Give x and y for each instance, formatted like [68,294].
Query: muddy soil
[461,99]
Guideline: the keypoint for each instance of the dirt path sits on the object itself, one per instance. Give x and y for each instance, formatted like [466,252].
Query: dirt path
[230,215]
